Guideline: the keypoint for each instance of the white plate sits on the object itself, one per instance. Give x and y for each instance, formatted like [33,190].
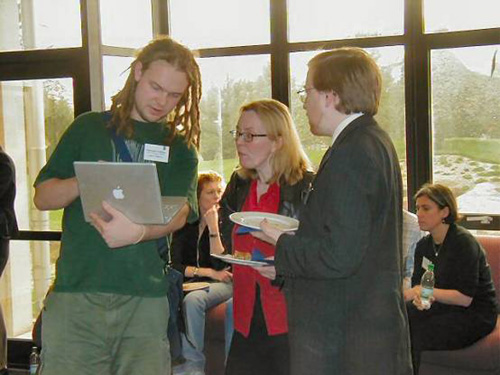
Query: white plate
[242,262]
[189,287]
[252,219]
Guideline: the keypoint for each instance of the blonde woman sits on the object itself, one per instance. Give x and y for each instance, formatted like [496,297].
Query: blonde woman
[272,177]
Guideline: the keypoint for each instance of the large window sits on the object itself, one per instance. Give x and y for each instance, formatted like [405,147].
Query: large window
[220,23]
[452,15]
[40,24]
[466,132]
[326,20]
[115,73]
[33,116]
[25,282]
[228,83]
[126,23]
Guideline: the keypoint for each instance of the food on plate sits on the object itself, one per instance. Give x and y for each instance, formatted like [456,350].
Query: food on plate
[242,255]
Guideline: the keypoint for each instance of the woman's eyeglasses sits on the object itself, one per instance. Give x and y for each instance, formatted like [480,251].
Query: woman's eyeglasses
[247,137]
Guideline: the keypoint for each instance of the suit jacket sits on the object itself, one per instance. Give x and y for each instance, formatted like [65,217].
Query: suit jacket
[8,223]
[343,268]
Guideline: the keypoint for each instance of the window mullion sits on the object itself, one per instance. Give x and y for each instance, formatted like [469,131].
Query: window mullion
[417,93]
[91,30]
[280,63]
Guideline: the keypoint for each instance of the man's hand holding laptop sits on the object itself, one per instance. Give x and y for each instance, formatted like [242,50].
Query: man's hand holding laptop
[120,230]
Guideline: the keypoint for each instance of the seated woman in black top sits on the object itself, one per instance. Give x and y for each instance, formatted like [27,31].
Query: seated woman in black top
[463,307]
[191,249]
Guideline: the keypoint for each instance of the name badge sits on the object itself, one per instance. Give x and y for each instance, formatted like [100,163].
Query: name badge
[425,263]
[156,153]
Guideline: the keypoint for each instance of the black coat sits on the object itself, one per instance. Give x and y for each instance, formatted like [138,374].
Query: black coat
[188,250]
[343,268]
[8,223]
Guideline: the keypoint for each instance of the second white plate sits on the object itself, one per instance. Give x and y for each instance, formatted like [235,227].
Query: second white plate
[252,219]
[242,262]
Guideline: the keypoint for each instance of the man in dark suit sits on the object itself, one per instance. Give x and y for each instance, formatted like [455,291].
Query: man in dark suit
[8,228]
[343,267]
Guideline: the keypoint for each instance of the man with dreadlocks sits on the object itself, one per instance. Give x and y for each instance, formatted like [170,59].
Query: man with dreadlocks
[108,312]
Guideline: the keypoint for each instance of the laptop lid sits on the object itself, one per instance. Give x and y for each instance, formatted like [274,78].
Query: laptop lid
[132,188]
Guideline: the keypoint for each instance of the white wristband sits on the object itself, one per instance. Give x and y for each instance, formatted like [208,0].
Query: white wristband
[142,235]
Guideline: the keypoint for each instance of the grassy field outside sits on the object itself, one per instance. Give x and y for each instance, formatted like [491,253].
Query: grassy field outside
[481,150]
[485,150]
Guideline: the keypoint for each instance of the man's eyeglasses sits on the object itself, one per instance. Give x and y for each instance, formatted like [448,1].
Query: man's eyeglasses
[303,93]
[247,137]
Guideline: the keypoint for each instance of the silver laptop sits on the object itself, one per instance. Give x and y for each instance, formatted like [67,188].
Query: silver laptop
[132,188]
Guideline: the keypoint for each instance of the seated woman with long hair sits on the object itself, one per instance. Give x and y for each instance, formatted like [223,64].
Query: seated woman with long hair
[191,249]
[463,307]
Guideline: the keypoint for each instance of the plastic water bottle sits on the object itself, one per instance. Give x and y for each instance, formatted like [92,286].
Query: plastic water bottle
[34,361]
[427,286]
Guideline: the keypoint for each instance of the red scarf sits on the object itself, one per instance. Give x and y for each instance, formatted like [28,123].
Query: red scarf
[245,278]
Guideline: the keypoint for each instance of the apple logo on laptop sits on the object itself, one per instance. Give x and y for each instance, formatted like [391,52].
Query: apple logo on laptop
[118,193]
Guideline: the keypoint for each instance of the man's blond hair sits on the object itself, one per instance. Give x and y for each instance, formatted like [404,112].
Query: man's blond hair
[352,74]
[186,113]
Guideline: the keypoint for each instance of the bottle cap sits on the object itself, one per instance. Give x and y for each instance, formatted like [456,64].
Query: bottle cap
[430,267]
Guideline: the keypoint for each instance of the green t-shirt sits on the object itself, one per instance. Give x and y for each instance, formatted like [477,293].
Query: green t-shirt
[86,263]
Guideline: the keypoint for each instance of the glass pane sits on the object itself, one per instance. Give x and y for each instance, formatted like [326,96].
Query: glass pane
[466,126]
[452,15]
[25,282]
[228,83]
[324,20]
[132,27]
[115,72]
[33,116]
[391,115]
[220,23]
[39,24]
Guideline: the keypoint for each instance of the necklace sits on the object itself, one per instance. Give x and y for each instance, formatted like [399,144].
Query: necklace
[437,248]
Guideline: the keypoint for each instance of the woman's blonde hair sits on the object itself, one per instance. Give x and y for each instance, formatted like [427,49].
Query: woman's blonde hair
[289,162]
[443,197]
[352,74]
[187,111]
